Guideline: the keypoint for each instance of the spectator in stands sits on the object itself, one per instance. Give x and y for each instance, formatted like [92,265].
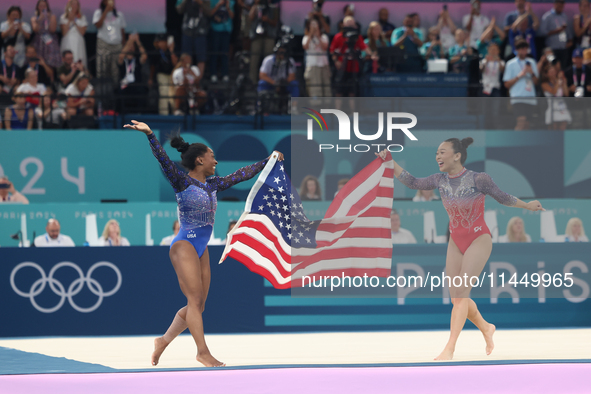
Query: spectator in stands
[31,87]
[578,76]
[492,34]
[196,15]
[475,23]
[278,73]
[387,27]
[491,68]
[522,30]
[166,241]
[16,33]
[8,193]
[317,74]
[558,36]
[264,21]
[19,116]
[112,235]
[245,6]
[432,48]
[417,24]
[110,38]
[400,235]
[447,30]
[316,14]
[349,10]
[310,189]
[555,87]
[45,73]
[520,77]
[131,60]
[345,49]
[459,55]
[575,232]
[221,28]
[10,75]
[525,10]
[53,236]
[74,24]
[69,70]
[48,114]
[45,39]
[546,58]
[375,39]
[409,39]
[515,231]
[425,195]
[186,78]
[582,25]
[162,64]
[80,97]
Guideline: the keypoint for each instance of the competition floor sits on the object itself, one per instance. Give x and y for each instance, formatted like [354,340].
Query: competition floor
[536,361]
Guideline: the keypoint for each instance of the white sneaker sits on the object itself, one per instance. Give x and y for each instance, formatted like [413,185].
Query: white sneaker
[178,112]
[214,79]
[226,78]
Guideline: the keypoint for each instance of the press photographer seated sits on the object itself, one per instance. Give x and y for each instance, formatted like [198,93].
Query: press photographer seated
[278,73]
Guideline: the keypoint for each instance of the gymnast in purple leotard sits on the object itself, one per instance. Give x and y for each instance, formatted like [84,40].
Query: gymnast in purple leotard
[196,197]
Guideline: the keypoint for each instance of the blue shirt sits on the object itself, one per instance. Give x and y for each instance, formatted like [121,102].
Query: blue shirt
[529,35]
[226,25]
[524,87]
[513,15]
[552,21]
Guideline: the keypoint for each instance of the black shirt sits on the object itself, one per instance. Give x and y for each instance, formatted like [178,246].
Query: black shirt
[65,70]
[579,80]
[131,66]
[12,71]
[162,61]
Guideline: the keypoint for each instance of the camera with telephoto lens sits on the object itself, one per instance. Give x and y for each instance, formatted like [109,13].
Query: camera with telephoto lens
[318,5]
[351,36]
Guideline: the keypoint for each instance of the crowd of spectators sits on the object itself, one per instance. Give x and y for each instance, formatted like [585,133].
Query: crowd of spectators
[45,56]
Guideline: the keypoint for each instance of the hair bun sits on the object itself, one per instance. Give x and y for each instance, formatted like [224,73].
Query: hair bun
[466,142]
[179,144]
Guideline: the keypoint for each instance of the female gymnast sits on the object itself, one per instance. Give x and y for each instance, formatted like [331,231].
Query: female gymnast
[197,202]
[462,193]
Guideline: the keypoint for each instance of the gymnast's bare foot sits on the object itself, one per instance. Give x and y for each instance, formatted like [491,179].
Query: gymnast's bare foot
[446,354]
[209,361]
[488,337]
[159,345]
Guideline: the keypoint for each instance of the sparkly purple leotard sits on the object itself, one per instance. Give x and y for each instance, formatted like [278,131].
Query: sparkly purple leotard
[197,202]
[463,198]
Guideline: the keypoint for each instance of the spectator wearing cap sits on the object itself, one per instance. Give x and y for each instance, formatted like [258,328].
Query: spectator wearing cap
[558,35]
[578,76]
[475,23]
[53,236]
[277,71]
[162,64]
[8,192]
[521,77]
[523,10]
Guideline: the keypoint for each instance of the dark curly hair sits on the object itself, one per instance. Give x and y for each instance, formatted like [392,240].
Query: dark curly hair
[461,146]
[189,152]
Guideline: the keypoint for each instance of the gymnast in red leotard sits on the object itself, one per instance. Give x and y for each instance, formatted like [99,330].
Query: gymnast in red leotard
[462,193]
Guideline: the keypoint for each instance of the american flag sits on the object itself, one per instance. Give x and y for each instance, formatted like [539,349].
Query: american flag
[275,239]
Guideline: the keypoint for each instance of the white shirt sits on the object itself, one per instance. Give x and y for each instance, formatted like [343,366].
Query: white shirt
[19,46]
[421,198]
[72,90]
[403,236]
[167,240]
[110,31]
[108,242]
[479,24]
[178,75]
[582,238]
[315,55]
[505,238]
[27,88]
[46,241]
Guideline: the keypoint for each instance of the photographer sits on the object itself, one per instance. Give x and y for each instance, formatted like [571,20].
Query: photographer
[278,72]
[345,50]
[264,18]
[9,194]
[317,15]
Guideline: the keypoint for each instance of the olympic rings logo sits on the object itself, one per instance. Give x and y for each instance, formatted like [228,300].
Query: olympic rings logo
[58,288]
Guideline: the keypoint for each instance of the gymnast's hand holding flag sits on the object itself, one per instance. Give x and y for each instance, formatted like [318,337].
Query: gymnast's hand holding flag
[275,239]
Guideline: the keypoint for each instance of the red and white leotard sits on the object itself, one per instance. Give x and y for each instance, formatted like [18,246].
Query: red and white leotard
[463,198]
